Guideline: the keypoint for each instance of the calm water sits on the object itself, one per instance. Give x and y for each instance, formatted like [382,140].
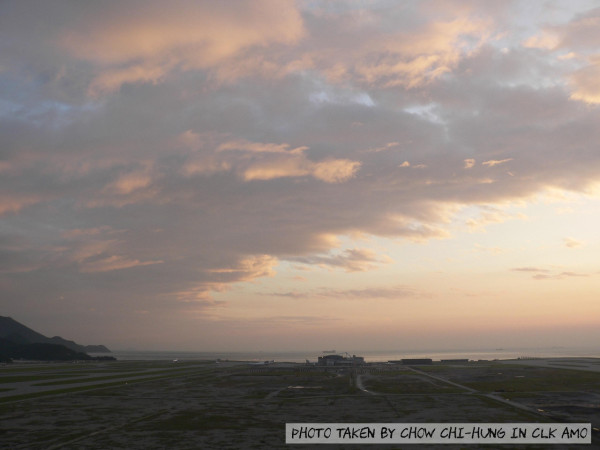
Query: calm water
[370,356]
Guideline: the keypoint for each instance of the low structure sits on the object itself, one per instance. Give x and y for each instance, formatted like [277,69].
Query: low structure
[454,361]
[417,361]
[339,360]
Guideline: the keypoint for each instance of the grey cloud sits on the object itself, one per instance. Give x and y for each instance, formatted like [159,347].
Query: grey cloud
[581,32]
[398,292]
[117,162]
[530,269]
[578,41]
[393,293]
[212,221]
[546,274]
[558,276]
[296,319]
[352,260]
[572,243]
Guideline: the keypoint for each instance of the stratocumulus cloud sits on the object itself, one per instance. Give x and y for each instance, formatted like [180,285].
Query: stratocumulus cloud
[165,158]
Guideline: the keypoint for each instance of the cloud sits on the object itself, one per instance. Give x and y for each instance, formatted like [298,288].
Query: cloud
[114,262]
[494,162]
[490,250]
[390,293]
[260,147]
[530,269]
[82,232]
[145,42]
[544,40]
[153,155]
[490,215]
[545,274]
[88,249]
[130,182]
[581,32]
[580,39]
[269,161]
[18,256]
[248,268]
[335,170]
[386,147]
[5,166]
[219,279]
[269,170]
[329,171]
[407,59]
[351,260]
[586,86]
[558,276]
[393,293]
[572,243]
[111,80]
[277,322]
[11,203]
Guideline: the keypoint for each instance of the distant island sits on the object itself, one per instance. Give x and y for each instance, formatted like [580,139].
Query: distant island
[20,342]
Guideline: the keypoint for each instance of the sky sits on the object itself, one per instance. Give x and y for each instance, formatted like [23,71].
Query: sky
[280,175]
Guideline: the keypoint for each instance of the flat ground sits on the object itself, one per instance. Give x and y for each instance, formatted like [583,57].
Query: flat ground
[236,405]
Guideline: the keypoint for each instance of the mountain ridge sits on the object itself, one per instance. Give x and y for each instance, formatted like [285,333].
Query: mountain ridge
[18,333]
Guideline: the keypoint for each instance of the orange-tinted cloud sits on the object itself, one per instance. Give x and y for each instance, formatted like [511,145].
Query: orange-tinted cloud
[15,203]
[268,161]
[572,243]
[398,292]
[546,274]
[278,130]
[405,59]
[586,82]
[130,182]
[220,279]
[351,260]
[495,162]
[145,41]
[490,215]
[580,37]
[114,262]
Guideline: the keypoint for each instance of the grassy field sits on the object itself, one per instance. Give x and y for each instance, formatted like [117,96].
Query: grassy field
[207,405]
[518,378]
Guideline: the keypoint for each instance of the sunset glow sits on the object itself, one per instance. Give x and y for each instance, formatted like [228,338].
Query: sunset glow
[280,175]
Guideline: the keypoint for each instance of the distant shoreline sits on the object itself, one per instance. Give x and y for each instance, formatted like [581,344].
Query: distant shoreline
[369,356]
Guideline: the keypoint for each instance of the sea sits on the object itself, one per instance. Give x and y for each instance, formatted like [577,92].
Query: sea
[369,356]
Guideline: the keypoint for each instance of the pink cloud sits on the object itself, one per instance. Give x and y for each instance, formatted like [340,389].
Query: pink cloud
[13,203]
[143,43]
[114,262]
[573,243]
[351,260]
[268,161]
[586,82]
[495,162]
[404,59]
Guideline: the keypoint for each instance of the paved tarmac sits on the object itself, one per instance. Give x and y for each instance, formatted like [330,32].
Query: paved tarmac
[589,364]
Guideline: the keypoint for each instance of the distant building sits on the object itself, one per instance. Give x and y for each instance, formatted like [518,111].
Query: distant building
[454,361]
[358,359]
[417,361]
[339,360]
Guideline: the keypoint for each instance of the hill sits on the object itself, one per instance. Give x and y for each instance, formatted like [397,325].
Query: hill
[19,341]
[39,352]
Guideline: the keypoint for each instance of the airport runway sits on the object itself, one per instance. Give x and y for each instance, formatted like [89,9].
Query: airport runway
[589,364]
